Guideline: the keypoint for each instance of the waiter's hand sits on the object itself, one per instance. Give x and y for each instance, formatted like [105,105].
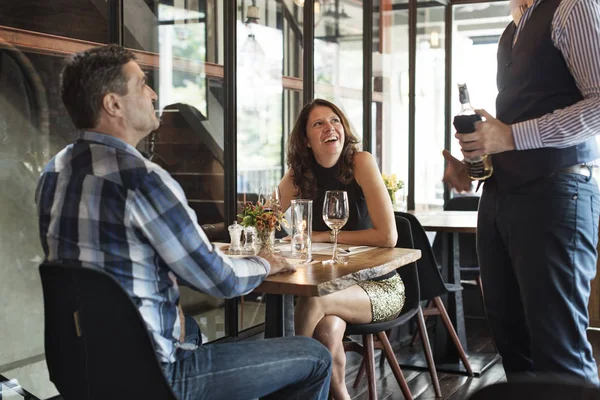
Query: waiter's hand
[491,136]
[456,175]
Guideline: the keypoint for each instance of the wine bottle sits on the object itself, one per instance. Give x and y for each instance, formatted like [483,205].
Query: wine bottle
[479,168]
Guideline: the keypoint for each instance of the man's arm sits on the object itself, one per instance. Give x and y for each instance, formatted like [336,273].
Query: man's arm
[576,33]
[161,214]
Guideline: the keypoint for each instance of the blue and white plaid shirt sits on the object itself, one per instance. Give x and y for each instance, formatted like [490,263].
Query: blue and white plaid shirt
[101,204]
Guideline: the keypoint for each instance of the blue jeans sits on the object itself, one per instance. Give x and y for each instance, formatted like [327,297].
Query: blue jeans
[537,251]
[285,368]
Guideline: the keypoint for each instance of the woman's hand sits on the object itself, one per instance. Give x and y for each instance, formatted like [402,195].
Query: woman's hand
[320,237]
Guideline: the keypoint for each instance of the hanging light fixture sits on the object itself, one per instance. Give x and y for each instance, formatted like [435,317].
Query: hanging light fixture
[253,14]
[317,6]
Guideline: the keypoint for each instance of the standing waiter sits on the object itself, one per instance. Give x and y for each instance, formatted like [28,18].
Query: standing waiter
[538,215]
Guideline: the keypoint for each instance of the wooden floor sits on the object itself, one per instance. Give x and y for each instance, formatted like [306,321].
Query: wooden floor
[454,387]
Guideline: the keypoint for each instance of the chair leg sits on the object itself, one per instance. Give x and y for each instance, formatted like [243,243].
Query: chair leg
[428,354]
[487,319]
[414,338]
[381,358]
[369,357]
[389,354]
[361,372]
[446,320]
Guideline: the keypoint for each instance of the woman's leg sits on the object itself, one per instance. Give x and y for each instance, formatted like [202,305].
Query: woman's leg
[351,304]
[330,332]
[325,318]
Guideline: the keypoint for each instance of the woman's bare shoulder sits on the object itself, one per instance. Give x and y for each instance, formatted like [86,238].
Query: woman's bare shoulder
[363,159]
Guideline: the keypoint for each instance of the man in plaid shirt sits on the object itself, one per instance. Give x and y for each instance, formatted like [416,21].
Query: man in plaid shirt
[101,204]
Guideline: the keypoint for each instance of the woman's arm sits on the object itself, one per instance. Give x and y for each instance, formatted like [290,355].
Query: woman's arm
[287,190]
[383,233]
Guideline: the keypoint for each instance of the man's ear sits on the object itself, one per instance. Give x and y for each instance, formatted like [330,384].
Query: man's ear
[111,103]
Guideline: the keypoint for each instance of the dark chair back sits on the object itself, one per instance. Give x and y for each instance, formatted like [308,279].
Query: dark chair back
[408,273]
[410,277]
[467,242]
[97,344]
[543,389]
[430,279]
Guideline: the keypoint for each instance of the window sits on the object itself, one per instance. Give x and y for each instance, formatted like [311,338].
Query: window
[390,90]
[34,126]
[476,32]
[181,60]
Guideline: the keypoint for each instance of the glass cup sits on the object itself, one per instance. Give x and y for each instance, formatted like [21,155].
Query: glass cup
[301,220]
[269,196]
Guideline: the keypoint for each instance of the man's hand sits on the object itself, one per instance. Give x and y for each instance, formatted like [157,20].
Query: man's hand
[491,136]
[456,175]
[278,263]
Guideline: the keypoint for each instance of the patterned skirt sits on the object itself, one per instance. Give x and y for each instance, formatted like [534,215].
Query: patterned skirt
[387,297]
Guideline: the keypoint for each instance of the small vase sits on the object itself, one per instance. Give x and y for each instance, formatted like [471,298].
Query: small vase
[399,201]
[266,241]
[392,194]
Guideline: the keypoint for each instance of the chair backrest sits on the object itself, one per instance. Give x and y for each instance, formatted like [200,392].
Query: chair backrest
[430,279]
[408,273]
[543,389]
[97,344]
[467,242]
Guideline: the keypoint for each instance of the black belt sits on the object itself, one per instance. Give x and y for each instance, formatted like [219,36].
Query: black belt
[578,169]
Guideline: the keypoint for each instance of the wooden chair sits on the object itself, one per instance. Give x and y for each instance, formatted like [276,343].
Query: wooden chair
[432,285]
[378,330]
[97,344]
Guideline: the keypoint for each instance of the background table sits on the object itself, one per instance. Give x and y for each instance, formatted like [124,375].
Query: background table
[451,224]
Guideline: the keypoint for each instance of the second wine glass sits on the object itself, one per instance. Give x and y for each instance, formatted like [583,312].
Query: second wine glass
[269,196]
[335,216]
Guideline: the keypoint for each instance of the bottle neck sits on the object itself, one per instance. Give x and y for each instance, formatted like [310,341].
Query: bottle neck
[466,107]
[465,101]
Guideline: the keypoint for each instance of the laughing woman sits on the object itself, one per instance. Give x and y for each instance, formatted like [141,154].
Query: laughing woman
[322,155]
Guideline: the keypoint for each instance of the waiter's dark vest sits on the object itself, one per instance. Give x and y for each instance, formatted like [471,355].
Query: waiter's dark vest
[533,80]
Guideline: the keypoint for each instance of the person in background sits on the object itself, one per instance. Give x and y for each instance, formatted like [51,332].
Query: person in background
[538,216]
[322,155]
[101,204]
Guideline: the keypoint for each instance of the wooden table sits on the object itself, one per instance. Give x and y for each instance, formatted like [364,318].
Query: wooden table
[318,279]
[452,223]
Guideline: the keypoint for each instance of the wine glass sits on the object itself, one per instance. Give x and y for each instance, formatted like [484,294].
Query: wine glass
[269,196]
[335,216]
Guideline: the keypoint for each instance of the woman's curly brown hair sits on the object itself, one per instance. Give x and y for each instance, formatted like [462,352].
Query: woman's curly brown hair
[301,159]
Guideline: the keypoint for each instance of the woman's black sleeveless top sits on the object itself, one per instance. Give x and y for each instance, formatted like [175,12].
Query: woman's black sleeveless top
[327,179]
